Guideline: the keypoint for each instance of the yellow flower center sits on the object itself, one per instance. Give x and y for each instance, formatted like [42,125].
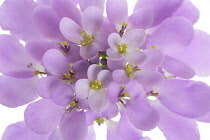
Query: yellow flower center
[87,39]
[129,70]
[95,84]
[122,48]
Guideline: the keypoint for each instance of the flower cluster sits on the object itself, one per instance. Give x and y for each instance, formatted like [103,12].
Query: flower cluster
[89,68]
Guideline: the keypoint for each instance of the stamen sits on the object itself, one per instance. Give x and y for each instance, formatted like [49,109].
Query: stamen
[123,28]
[126,94]
[64,47]
[72,103]
[99,120]
[129,70]
[87,39]
[122,48]
[95,84]
[154,47]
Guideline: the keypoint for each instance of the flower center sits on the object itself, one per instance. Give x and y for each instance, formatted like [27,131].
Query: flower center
[95,84]
[129,70]
[87,39]
[122,48]
[99,120]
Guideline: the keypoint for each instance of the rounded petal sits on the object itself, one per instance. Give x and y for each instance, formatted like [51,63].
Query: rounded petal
[16,92]
[114,55]
[92,20]
[136,57]
[180,128]
[93,72]
[20,131]
[113,91]
[80,69]
[82,88]
[13,58]
[55,62]
[55,135]
[105,76]
[43,116]
[149,78]
[98,100]
[134,38]
[37,49]
[46,86]
[155,59]
[134,89]
[186,98]
[141,19]
[177,68]
[100,42]
[47,22]
[66,8]
[111,111]
[73,55]
[88,52]
[120,77]
[114,40]
[116,64]
[84,4]
[71,30]
[63,94]
[142,115]
[173,34]
[73,126]
[117,11]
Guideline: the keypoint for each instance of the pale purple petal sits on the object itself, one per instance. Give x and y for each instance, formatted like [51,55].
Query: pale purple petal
[105,77]
[134,38]
[55,135]
[117,11]
[46,85]
[16,16]
[111,111]
[91,116]
[73,126]
[20,131]
[93,72]
[47,22]
[43,116]
[55,62]
[116,64]
[100,42]
[120,77]
[149,78]
[134,89]
[37,49]
[155,58]
[175,127]
[98,100]
[66,8]
[189,11]
[88,52]
[136,57]
[141,19]
[113,131]
[73,55]
[114,54]
[177,68]
[141,114]
[173,34]
[108,27]
[91,134]
[84,4]
[205,118]
[114,40]
[16,92]
[71,30]
[63,95]
[92,20]
[82,88]
[184,97]
[80,69]
[113,91]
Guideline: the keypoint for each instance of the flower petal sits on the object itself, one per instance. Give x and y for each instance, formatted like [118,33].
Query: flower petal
[55,135]
[113,54]
[47,22]
[71,30]
[88,52]
[185,97]
[141,114]
[117,11]
[136,57]
[120,77]
[149,78]
[43,116]
[80,69]
[116,64]
[98,100]
[92,20]
[173,34]
[178,68]
[105,76]
[55,62]
[63,95]
[73,55]
[134,38]
[73,126]
[82,88]
[93,72]
[20,131]
[84,4]
[100,42]
[114,40]
[180,128]
[113,92]
[16,92]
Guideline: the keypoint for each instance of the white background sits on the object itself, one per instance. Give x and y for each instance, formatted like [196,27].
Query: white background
[8,115]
